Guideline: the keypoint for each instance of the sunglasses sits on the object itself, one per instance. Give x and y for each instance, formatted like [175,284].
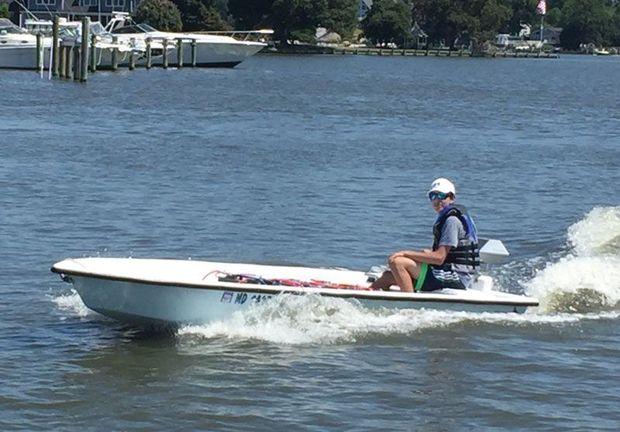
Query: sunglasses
[437,196]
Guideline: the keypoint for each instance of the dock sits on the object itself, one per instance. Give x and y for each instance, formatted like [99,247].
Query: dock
[439,52]
[410,52]
[74,60]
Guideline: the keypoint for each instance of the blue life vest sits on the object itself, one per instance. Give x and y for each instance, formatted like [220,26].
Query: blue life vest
[468,255]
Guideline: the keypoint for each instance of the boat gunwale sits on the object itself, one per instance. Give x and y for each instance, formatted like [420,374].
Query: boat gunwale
[281,289]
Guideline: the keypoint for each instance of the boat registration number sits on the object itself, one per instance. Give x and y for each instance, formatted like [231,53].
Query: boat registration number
[241,298]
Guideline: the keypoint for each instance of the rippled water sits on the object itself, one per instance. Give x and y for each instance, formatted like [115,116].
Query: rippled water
[320,161]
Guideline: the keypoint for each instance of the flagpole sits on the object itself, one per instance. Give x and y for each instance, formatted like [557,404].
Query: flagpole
[542,10]
[542,19]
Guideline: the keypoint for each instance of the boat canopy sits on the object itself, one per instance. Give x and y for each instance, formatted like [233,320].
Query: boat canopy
[134,28]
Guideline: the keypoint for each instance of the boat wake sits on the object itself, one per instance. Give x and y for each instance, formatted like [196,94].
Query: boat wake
[587,278]
[313,319]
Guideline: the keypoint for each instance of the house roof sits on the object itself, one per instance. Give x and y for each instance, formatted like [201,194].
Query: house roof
[416,30]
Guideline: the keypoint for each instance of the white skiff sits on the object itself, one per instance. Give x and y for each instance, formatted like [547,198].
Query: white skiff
[177,292]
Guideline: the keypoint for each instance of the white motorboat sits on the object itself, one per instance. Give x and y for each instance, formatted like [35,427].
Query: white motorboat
[212,50]
[104,44]
[177,292]
[18,48]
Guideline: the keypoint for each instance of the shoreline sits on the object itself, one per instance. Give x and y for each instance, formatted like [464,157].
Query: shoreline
[402,52]
[411,52]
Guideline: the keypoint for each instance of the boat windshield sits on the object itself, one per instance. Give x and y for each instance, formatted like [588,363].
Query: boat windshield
[135,28]
[147,28]
[7,27]
[97,29]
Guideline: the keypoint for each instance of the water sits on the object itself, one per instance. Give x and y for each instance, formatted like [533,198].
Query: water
[320,161]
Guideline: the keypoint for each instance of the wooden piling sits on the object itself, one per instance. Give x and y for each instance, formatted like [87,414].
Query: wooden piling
[193,52]
[84,49]
[180,53]
[93,53]
[114,54]
[132,60]
[77,63]
[69,62]
[61,62]
[149,55]
[65,61]
[165,53]
[55,50]
[39,52]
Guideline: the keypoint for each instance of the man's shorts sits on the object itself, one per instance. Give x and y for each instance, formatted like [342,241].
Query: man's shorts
[427,281]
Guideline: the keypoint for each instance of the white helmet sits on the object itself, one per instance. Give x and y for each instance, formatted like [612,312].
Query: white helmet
[442,185]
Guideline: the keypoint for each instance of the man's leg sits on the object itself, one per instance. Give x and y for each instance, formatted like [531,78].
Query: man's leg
[384,282]
[405,271]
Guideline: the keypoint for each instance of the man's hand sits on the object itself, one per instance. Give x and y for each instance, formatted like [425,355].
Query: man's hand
[396,255]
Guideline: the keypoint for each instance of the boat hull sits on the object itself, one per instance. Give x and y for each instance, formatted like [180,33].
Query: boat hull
[185,292]
[21,57]
[226,55]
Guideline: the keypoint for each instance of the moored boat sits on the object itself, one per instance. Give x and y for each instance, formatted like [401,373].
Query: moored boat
[211,49]
[177,292]
[18,48]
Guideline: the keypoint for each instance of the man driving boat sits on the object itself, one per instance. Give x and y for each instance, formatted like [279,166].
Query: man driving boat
[452,261]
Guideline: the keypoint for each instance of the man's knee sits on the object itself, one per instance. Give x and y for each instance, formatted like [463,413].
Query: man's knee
[400,262]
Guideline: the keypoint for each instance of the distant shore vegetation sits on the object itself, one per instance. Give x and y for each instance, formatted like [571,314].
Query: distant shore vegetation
[449,23]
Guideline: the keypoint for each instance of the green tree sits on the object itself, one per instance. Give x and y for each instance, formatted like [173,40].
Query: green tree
[494,15]
[586,21]
[161,14]
[250,14]
[388,21]
[341,16]
[203,14]
[523,12]
[435,17]
[4,10]
[615,25]
[447,20]
[297,19]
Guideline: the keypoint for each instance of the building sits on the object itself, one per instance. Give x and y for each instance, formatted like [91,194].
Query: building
[365,6]
[420,38]
[551,35]
[100,10]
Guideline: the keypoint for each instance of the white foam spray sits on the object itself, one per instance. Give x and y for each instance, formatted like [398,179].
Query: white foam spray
[72,304]
[587,279]
[312,319]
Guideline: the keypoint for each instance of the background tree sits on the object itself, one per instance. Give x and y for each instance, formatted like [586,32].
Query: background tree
[388,21]
[250,14]
[341,16]
[434,16]
[203,14]
[523,12]
[494,15]
[586,21]
[4,10]
[615,25]
[447,20]
[297,19]
[161,14]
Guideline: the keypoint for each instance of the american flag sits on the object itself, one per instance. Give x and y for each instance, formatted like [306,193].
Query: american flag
[542,7]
